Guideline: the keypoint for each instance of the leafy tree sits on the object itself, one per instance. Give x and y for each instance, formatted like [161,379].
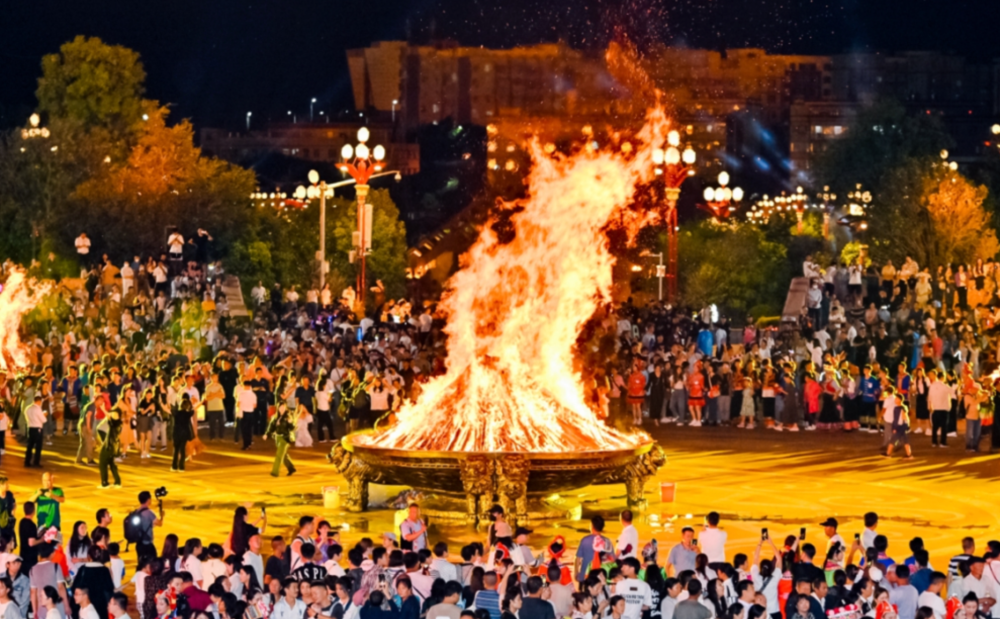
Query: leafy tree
[734,266]
[933,214]
[387,260]
[93,83]
[164,182]
[882,138]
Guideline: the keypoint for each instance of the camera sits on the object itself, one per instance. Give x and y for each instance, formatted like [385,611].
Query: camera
[160,492]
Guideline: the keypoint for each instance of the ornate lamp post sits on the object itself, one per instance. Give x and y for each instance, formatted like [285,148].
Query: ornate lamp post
[361,163]
[674,166]
[721,201]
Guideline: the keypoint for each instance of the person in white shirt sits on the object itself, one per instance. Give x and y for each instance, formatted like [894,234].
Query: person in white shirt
[830,529]
[713,539]
[252,557]
[931,598]
[83,245]
[289,606]
[82,597]
[118,606]
[628,542]
[638,596]
[445,568]
[36,417]
[980,584]
[332,565]
[671,594]
[869,534]
[175,242]
[128,278]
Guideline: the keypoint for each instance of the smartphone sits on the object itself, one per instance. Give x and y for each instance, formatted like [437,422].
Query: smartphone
[381,579]
[263,511]
[763,534]
[694,542]
[802,533]
[857,536]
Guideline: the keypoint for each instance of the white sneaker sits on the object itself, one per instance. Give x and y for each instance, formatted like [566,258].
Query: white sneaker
[696,424]
[778,429]
[750,427]
[793,428]
[810,428]
[918,431]
[953,435]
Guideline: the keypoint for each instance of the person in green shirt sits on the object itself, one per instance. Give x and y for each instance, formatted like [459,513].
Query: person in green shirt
[282,428]
[48,500]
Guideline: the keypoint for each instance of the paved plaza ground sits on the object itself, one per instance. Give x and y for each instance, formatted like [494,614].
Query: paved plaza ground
[754,479]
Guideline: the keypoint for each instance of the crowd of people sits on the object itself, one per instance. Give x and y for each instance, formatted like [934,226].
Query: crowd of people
[919,360]
[56,572]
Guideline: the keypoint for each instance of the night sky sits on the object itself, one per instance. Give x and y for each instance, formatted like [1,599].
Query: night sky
[213,60]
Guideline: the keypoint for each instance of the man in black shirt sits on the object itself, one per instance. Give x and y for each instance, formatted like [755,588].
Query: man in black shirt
[262,389]
[308,570]
[229,378]
[533,606]
[27,534]
[278,564]
[804,569]
[305,396]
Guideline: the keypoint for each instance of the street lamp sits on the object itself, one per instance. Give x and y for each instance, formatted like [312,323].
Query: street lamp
[721,201]
[311,104]
[249,114]
[660,269]
[674,166]
[361,162]
[294,119]
[318,189]
[395,102]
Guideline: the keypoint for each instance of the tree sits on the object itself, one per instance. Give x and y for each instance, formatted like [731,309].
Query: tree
[164,182]
[882,138]
[387,260]
[734,266]
[933,214]
[96,84]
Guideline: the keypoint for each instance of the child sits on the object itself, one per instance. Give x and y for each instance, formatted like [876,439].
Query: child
[746,408]
[117,565]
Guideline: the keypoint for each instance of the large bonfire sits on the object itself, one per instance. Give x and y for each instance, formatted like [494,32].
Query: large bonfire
[19,295]
[516,310]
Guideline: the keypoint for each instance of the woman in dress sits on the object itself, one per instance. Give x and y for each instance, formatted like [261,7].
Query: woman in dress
[144,420]
[184,430]
[829,417]
[657,394]
[302,436]
[79,547]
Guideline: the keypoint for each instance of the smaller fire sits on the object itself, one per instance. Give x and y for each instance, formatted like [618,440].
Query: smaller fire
[20,294]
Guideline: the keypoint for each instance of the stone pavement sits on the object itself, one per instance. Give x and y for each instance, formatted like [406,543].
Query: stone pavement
[754,479]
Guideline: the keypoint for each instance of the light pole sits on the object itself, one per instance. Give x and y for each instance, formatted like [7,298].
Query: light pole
[311,104]
[318,189]
[674,166]
[361,163]
[395,102]
[721,201]
[294,119]
[249,114]
[660,269]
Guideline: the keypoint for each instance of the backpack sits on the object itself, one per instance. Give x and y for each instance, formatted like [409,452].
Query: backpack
[133,527]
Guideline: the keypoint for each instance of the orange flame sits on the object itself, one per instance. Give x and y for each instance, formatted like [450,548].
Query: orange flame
[18,297]
[515,312]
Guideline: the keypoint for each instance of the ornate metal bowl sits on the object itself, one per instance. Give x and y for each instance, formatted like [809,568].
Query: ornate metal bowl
[485,478]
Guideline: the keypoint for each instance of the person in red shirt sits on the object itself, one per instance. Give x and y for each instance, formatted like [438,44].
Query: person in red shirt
[636,394]
[813,391]
[696,393]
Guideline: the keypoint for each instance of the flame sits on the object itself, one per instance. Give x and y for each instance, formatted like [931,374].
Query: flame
[18,297]
[516,309]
